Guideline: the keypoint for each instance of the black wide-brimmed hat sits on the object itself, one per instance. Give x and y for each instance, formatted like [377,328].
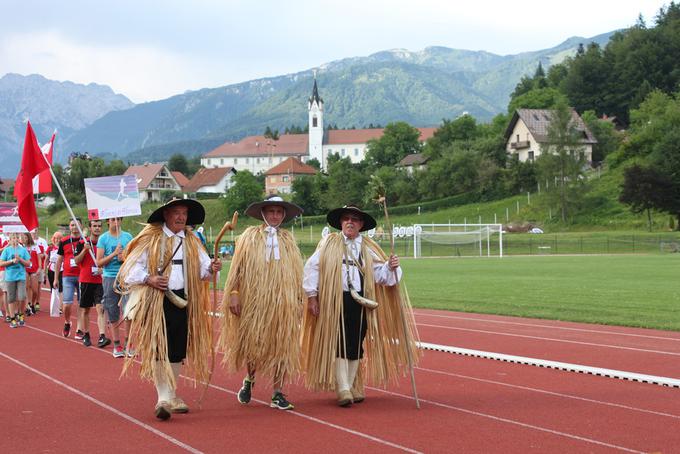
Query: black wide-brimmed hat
[254,210]
[333,217]
[195,214]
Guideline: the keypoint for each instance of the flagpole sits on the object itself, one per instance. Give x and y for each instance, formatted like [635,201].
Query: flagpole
[68,207]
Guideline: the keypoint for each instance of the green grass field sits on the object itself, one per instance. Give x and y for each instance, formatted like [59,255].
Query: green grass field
[629,290]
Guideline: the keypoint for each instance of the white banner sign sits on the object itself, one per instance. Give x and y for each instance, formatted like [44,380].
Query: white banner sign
[112,197]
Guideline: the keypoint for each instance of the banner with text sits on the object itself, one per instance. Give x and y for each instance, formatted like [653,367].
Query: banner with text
[112,197]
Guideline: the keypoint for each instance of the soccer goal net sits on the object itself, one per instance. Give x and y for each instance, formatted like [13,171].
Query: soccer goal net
[448,240]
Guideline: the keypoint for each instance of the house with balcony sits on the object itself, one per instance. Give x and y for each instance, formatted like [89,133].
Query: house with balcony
[153,180]
[528,131]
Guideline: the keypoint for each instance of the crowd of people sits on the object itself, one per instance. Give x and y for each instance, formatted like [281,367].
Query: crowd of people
[337,320]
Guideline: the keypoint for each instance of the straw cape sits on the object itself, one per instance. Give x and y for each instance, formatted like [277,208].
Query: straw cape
[266,334]
[147,332]
[385,357]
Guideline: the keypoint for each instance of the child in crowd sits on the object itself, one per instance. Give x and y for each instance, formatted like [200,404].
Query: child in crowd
[51,262]
[37,254]
[15,258]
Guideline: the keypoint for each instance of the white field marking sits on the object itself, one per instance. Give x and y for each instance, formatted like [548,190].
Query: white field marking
[513,422]
[525,336]
[551,393]
[296,413]
[611,373]
[326,423]
[538,325]
[125,416]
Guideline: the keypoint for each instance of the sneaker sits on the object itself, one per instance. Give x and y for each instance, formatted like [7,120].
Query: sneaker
[36,308]
[13,323]
[79,335]
[67,329]
[21,320]
[279,401]
[86,340]
[246,390]
[131,352]
[28,312]
[103,341]
[8,319]
[118,352]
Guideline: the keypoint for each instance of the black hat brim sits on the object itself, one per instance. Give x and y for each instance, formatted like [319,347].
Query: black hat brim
[333,218]
[195,214]
[254,210]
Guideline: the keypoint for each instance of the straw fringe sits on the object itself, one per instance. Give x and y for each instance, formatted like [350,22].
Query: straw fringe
[385,358]
[266,334]
[147,331]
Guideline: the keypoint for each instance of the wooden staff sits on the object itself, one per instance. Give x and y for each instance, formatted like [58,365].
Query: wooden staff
[229,225]
[383,201]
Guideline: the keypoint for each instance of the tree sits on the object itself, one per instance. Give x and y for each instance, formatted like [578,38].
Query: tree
[608,139]
[644,189]
[271,134]
[245,190]
[562,158]
[346,183]
[307,193]
[398,140]
[461,131]
[538,98]
[178,163]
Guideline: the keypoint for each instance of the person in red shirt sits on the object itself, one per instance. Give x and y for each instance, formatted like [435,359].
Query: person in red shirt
[71,272]
[37,253]
[91,290]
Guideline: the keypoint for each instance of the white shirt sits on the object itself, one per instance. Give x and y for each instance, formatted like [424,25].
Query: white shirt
[382,274]
[139,270]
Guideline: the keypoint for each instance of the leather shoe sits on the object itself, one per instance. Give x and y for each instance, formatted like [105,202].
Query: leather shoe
[177,405]
[162,410]
[345,398]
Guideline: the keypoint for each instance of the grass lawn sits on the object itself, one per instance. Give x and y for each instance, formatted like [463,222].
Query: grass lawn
[630,290]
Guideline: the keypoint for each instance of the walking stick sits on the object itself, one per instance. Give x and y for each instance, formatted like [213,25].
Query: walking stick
[229,225]
[381,199]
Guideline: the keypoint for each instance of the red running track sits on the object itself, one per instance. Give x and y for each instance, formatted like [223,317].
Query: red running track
[61,396]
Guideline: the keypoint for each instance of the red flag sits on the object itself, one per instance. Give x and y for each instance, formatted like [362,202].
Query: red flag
[42,184]
[32,163]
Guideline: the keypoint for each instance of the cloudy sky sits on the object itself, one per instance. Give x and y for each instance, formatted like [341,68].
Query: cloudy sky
[150,50]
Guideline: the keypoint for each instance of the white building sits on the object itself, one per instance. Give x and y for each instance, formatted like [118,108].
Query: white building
[214,180]
[258,154]
[528,130]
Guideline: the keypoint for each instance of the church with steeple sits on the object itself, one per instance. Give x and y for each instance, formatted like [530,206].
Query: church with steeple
[259,154]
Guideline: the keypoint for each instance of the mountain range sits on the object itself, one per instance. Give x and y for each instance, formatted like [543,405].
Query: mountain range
[421,88]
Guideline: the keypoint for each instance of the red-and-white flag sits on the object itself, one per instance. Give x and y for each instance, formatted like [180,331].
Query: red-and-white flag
[32,163]
[42,184]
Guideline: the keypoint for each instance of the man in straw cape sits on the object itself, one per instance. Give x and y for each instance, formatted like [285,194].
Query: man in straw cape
[344,280]
[166,271]
[263,301]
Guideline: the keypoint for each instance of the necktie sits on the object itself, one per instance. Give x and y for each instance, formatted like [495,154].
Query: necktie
[272,244]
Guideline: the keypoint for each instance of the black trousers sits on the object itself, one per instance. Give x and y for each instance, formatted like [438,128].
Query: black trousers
[177,327]
[351,340]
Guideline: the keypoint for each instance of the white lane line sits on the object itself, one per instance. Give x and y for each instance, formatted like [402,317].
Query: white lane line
[513,422]
[550,393]
[537,325]
[295,413]
[326,423]
[525,336]
[125,416]
[610,373]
